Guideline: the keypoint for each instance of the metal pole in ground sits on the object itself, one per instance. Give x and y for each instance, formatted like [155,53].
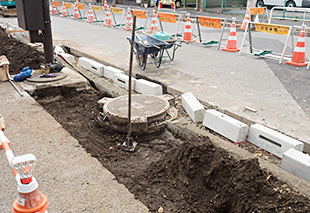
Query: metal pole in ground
[129,141]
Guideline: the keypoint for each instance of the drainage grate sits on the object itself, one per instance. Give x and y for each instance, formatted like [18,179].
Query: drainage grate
[146,111]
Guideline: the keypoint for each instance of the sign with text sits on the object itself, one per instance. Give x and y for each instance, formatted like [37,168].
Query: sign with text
[210,22]
[167,17]
[255,10]
[272,28]
[97,8]
[68,5]
[56,3]
[139,13]
[117,10]
[80,6]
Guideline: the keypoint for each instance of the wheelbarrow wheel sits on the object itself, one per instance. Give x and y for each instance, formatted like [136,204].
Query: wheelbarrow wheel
[141,59]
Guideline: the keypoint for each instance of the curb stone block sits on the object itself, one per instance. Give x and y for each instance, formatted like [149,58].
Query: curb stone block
[227,126]
[122,80]
[109,72]
[147,87]
[68,57]
[91,65]
[58,50]
[272,141]
[296,163]
[193,107]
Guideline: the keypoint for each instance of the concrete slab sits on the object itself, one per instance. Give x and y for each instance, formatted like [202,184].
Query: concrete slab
[193,107]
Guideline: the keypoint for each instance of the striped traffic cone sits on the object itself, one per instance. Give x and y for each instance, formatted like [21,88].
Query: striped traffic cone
[108,20]
[64,11]
[154,22]
[232,39]
[299,55]
[105,6]
[188,30]
[76,13]
[246,20]
[54,11]
[128,24]
[90,17]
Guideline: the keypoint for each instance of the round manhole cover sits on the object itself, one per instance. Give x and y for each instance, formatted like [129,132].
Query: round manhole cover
[37,79]
[145,109]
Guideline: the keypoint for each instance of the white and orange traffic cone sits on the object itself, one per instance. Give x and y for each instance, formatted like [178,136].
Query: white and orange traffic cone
[108,20]
[232,39]
[299,55]
[76,14]
[246,19]
[188,30]
[154,25]
[128,25]
[105,6]
[29,197]
[54,11]
[64,11]
[90,16]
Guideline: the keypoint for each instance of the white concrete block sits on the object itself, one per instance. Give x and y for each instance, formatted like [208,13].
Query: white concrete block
[58,50]
[68,57]
[297,163]
[193,107]
[272,141]
[122,80]
[225,125]
[109,72]
[147,87]
[91,65]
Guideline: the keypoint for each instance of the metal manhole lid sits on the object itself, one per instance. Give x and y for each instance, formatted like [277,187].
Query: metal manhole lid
[144,108]
[37,79]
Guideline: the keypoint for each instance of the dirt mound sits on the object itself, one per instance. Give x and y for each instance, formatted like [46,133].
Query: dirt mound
[19,54]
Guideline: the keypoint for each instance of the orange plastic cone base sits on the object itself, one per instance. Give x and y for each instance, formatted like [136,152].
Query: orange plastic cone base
[297,64]
[231,50]
[39,209]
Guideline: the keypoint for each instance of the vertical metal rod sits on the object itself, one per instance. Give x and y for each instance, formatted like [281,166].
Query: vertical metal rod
[250,37]
[130,71]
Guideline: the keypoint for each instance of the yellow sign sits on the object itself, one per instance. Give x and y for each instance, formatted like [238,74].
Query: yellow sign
[272,28]
[167,17]
[259,10]
[68,5]
[97,8]
[116,10]
[80,6]
[56,3]
[210,22]
[139,13]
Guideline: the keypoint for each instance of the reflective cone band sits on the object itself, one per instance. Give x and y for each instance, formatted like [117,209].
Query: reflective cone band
[232,39]
[246,20]
[90,17]
[64,11]
[188,30]
[54,11]
[76,13]
[154,22]
[299,55]
[105,5]
[108,20]
[128,25]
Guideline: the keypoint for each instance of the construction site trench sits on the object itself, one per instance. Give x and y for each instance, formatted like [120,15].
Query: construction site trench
[165,172]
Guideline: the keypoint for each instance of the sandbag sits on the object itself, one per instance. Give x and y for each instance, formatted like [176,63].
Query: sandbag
[4,68]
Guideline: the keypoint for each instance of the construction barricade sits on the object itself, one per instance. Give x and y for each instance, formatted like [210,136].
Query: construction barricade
[279,30]
[259,12]
[81,7]
[121,11]
[210,22]
[57,7]
[100,10]
[141,14]
[68,7]
[170,18]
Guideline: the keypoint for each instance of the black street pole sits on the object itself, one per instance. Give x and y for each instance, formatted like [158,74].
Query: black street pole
[47,34]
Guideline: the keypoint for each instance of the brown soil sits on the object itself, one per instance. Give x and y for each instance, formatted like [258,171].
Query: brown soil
[164,172]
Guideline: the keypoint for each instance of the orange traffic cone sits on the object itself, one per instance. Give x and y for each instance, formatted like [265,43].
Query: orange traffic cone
[108,20]
[173,6]
[188,30]
[246,20]
[299,55]
[76,12]
[232,39]
[90,17]
[154,22]
[64,11]
[105,5]
[128,24]
[54,11]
